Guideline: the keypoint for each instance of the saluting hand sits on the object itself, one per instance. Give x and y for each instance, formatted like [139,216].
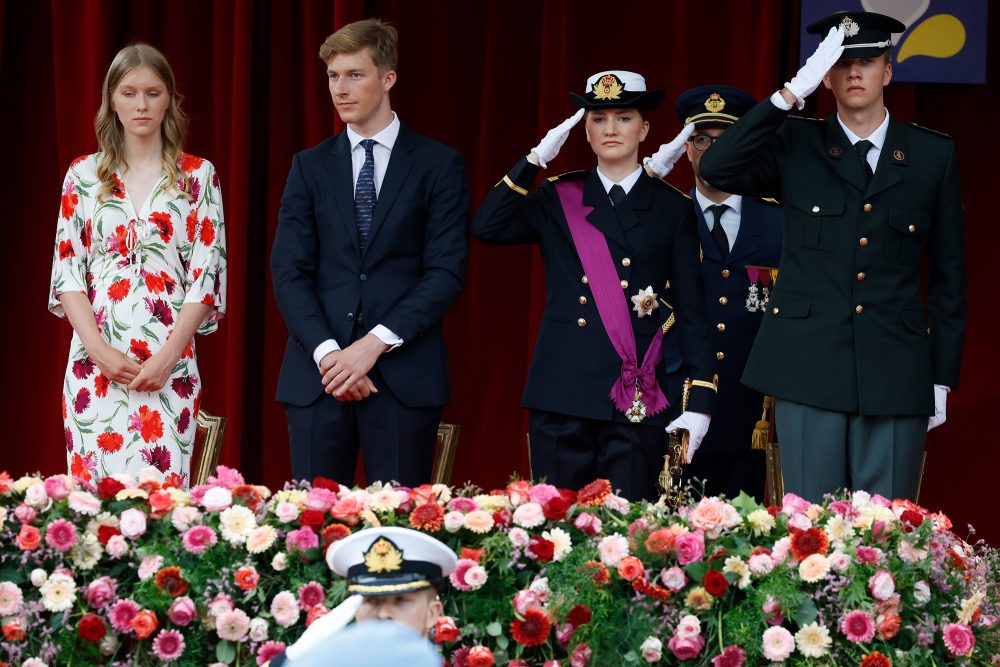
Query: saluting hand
[664,159]
[819,63]
[548,148]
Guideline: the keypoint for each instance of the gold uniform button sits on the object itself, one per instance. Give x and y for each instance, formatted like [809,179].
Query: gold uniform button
[626,261]
[815,208]
[867,208]
[725,273]
[720,355]
[861,275]
[624,284]
[859,310]
[584,280]
[721,326]
[581,322]
[776,310]
[723,300]
[863,241]
[912,228]
[583,301]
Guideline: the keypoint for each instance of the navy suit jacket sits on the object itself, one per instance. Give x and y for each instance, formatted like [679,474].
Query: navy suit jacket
[734,328]
[410,273]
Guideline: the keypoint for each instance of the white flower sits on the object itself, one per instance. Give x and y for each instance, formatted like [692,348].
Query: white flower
[36,496]
[644,302]
[476,576]
[260,539]
[34,662]
[149,474]
[760,564]
[840,561]
[132,523]
[258,629]
[286,512]
[117,546]
[761,522]
[969,608]
[651,649]
[38,577]
[279,562]
[3,516]
[149,566]
[800,522]
[540,587]
[184,517]
[518,537]
[921,593]
[561,541]
[108,644]
[839,529]
[235,523]
[814,567]
[385,499]
[86,552]
[58,592]
[453,521]
[813,640]
[217,498]
[492,504]
[24,483]
[739,567]
[689,627]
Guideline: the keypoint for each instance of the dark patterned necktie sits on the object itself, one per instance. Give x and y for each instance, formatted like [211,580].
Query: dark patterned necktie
[718,233]
[617,194]
[364,193]
[862,147]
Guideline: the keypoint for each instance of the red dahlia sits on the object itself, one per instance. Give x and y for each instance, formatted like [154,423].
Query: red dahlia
[428,517]
[579,615]
[533,630]
[335,532]
[170,581]
[594,493]
[876,659]
[805,543]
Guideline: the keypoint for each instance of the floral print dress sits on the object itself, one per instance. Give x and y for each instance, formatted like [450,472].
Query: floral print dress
[138,268]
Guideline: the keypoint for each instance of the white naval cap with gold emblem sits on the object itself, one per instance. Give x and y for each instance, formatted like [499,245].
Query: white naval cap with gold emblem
[617,89]
[391,560]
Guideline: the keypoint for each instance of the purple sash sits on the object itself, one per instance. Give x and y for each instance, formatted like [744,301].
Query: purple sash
[612,305]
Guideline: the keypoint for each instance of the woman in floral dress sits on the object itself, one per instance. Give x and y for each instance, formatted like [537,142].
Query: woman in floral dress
[139,268]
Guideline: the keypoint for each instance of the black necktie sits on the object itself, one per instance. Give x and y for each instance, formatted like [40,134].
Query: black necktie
[617,194]
[862,147]
[364,192]
[718,233]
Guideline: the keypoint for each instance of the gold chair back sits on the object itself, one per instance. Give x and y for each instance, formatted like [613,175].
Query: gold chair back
[207,446]
[444,453]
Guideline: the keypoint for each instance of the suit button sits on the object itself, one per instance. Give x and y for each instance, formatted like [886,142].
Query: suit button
[776,310]
[859,309]
[723,300]
[581,322]
[720,355]
[815,208]
[583,301]
[626,261]
[363,277]
[725,273]
[912,228]
[721,326]
[350,317]
[861,275]
[867,208]
[584,280]
[863,241]
[624,284]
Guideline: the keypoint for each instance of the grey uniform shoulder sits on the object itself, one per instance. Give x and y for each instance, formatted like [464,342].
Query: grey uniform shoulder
[660,183]
[577,175]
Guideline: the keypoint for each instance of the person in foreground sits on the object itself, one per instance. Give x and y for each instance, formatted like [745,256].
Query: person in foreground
[393,575]
[611,239]
[139,268]
[855,358]
[369,254]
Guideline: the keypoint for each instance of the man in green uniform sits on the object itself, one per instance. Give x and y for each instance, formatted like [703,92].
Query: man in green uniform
[856,360]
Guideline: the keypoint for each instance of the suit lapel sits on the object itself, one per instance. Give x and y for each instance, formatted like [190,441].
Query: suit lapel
[342,177]
[400,164]
[603,216]
[893,156]
[840,154]
[750,231]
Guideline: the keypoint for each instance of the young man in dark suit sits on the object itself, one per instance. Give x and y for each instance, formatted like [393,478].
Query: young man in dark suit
[369,255]
[857,361]
[611,238]
[740,240]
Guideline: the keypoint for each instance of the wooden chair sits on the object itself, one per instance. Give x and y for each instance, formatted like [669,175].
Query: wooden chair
[207,446]
[444,453]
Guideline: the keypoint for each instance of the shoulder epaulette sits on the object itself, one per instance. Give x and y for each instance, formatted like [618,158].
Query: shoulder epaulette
[672,187]
[569,176]
[770,200]
[927,129]
[810,118]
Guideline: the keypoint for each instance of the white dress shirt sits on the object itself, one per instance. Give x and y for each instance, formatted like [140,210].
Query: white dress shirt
[384,141]
[730,217]
[626,182]
[877,138]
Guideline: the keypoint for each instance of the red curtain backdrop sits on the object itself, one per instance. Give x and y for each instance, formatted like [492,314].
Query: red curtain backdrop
[488,78]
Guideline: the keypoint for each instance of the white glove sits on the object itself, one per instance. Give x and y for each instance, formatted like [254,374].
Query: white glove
[548,148]
[696,424]
[819,63]
[663,160]
[940,402]
[324,627]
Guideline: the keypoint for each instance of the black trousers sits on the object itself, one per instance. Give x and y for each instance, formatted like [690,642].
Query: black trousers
[571,452]
[398,441]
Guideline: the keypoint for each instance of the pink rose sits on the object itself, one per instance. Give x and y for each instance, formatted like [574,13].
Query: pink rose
[117,546]
[580,657]
[132,523]
[564,633]
[868,555]
[588,523]
[772,611]
[780,549]
[731,656]
[226,476]
[286,512]
[36,497]
[525,600]
[882,585]
[690,547]
[100,592]
[25,513]
[792,504]
[686,648]
[651,649]
[182,611]
[674,579]
[543,493]
[612,549]
[302,539]
[713,516]
[689,627]
[57,487]
[320,499]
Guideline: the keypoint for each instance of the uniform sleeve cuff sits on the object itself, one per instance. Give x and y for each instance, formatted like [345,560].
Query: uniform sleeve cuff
[323,349]
[779,101]
[386,336]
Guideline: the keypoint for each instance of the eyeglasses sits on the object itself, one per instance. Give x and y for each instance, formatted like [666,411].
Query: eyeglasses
[701,142]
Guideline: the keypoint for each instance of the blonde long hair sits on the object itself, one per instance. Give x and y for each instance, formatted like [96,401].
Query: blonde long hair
[107,126]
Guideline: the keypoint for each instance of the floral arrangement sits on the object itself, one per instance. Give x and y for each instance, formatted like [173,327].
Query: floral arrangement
[139,572]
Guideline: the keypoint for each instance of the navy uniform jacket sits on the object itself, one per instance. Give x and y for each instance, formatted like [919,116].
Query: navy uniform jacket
[733,326]
[846,328]
[652,239]
[409,275]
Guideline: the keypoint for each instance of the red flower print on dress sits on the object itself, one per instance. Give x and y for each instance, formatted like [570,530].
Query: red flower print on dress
[184,386]
[119,289]
[110,442]
[101,383]
[208,300]
[148,423]
[191,225]
[100,316]
[77,160]
[196,273]
[66,250]
[67,434]
[69,198]
[164,227]
[190,162]
[160,310]
[117,187]
[87,233]
[117,244]
[193,188]
[64,407]
[175,481]
[140,350]
[154,283]
[82,368]
[207,232]
[183,421]
[81,467]
[158,457]
[82,401]
[188,352]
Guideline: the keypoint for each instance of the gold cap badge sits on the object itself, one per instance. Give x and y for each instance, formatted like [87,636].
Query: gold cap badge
[383,556]
[715,103]
[608,87]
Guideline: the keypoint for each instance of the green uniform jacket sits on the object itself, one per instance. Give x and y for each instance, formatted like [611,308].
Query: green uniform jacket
[846,327]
